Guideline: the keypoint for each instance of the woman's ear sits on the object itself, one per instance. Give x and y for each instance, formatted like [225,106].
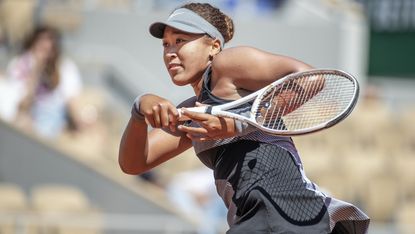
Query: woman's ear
[216,47]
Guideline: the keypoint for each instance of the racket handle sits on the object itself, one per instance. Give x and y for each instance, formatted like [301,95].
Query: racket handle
[199,109]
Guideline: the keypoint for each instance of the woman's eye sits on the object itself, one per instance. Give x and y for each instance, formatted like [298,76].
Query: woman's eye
[165,44]
[179,40]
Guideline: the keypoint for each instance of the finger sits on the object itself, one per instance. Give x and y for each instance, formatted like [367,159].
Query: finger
[195,115]
[172,127]
[192,130]
[174,115]
[149,119]
[164,115]
[156,116]
[172,122]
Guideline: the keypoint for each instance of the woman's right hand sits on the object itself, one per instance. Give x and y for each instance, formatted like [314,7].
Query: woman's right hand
[158,112]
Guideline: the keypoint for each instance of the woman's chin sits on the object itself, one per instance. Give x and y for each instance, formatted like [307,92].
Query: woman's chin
[179,82]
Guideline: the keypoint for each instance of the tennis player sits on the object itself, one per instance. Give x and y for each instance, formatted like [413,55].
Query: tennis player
[259,176]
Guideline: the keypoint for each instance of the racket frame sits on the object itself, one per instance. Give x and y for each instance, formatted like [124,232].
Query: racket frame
[314,72]
[221,110]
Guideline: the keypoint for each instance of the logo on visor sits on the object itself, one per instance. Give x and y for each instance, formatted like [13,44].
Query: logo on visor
[175,14]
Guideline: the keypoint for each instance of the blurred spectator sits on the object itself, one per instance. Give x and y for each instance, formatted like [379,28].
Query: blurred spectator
[193,192]
[8,99]
[269,6]
[46,83]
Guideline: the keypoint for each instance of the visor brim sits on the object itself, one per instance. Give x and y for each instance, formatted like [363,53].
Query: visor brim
[157,28]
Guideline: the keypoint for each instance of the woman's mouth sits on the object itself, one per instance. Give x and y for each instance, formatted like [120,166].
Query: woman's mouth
[174,66]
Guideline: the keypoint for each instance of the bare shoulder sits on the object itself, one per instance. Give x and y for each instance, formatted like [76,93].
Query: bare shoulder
[233,59]
[252,68]
[240,53]
[245,57]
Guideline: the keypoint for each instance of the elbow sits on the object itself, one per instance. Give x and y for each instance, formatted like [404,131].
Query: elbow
[129,168]
[129,171]
[128,161]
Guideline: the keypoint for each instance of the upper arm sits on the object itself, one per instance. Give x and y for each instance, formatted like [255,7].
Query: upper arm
[251,69]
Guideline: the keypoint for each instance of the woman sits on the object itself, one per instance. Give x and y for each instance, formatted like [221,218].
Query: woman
[47,83]
[259,176]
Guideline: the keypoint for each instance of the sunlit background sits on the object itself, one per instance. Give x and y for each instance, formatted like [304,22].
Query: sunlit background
[71,182]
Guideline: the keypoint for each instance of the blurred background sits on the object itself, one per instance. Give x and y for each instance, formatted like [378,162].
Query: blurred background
[59,136]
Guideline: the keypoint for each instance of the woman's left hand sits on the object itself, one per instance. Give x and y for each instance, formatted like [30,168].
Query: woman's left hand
[211,127]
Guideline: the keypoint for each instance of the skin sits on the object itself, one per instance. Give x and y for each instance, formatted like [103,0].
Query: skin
[42,50]
[235,73]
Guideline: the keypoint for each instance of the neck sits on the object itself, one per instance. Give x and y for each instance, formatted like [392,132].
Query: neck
[197,86]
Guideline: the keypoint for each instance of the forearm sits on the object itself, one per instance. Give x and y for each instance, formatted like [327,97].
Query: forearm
[133,149]
[140,149]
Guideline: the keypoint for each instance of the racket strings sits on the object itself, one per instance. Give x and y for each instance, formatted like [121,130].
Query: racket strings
[326,105]
[321,98]
[305,95]
[309,91]
[276,110]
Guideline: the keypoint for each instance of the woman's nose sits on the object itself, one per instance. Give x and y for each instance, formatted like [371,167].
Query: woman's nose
[171,53]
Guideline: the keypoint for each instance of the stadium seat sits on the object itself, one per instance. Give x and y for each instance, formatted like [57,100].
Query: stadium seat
[13,197]
[405,217]
[317,162]
[381,198]
[12,201]
[371,119]
[403,168]
[334,185]
[56,198]
[17,24]
[68,207]
[64,15]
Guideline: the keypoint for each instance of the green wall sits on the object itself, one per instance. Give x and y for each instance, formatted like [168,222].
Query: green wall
[392,54]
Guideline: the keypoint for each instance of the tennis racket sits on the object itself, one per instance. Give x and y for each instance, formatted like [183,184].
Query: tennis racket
[297,104]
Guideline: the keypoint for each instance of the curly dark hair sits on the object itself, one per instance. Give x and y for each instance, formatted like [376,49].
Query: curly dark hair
[214,16]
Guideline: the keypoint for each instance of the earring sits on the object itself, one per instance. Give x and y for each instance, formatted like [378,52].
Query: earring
[210,57]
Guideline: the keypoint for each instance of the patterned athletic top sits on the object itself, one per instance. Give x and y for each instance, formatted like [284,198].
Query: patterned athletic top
[261,180]
[248,133]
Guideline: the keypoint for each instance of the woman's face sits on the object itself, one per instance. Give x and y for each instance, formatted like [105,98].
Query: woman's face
[186,56]
[44,47]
